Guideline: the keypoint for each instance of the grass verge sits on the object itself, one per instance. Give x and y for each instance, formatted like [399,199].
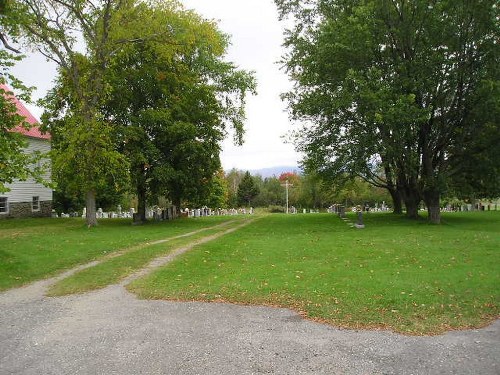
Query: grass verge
[407,276]
[33,249]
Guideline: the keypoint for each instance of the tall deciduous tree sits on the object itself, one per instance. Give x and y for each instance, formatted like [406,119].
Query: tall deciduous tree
[76,35]
[174,102]
[233,179]
[390,88]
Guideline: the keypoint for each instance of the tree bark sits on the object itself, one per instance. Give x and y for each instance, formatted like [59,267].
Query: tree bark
[140,217]
[431,199]
[411,199]
[392,188]
[411,209]
[396,201]
[90,217]
[176,201]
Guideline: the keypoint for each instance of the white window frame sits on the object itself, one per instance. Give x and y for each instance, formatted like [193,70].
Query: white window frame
[6,206]
[35,204]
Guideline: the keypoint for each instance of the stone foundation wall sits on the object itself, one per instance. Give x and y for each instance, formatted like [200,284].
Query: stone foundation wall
[23,209]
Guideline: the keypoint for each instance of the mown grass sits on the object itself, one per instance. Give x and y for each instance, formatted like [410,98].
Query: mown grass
[114,269]
[408,276]
[32,249]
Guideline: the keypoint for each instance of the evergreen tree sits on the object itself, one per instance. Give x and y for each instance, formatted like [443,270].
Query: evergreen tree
[247,190]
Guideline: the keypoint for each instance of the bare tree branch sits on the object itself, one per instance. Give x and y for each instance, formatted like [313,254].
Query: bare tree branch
[77,13]
[7,45]
[50,57]
[52,46]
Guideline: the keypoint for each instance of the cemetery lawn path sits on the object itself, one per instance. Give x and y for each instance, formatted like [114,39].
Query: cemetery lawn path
[127,265]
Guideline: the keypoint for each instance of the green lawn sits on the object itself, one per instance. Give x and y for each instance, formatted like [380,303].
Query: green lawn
[409,276]
[32,249]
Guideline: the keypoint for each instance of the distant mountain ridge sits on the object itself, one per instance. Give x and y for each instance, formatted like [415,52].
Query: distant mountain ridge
[275,171]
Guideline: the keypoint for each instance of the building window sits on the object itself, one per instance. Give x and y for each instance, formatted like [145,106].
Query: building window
[4,205]
[35,204]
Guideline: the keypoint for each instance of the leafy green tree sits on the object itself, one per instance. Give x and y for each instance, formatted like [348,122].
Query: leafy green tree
[476,168]
[271,193]
[391,87]
[152,93]
[174,102]
[247,190]
[312,192]
[218,192]
[86,145]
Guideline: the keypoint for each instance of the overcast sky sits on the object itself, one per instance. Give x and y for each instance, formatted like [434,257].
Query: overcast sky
[256,38]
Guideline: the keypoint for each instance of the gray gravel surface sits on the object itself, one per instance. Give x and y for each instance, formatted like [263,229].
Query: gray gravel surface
[112,332]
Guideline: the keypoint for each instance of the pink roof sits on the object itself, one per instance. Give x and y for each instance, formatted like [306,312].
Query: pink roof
[34,131]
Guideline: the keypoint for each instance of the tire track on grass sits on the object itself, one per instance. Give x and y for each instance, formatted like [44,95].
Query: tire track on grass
[111,270]
[118,253]
[164,260]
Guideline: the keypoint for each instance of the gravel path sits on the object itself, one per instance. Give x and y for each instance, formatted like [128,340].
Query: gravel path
[112,332]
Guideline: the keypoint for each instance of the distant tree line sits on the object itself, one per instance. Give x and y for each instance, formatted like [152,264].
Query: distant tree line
[305,191]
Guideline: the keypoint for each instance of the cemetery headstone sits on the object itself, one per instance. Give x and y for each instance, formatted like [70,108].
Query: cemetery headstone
[342,211]
[359,223]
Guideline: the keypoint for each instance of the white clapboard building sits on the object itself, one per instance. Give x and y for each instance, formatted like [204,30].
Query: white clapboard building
[28,198]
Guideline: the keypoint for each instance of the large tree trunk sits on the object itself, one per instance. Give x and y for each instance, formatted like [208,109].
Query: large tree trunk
[392,188]
[140,216]
[176,201]
[91,211]
[396,201]
[412,199]
[411,205]
[431,199]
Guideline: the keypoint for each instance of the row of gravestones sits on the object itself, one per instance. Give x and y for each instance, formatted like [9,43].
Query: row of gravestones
[336,208]
[205,211]
[160,214]
[100,214]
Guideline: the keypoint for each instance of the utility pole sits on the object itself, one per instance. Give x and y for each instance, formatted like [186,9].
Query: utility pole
[286,185]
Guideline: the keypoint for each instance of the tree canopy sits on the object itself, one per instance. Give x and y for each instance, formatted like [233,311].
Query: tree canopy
[391,89]
[77,36]
[169,97]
